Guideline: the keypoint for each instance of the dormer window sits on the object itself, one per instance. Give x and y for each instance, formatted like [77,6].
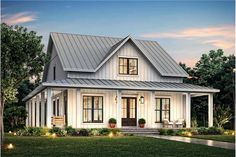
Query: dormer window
[128,66]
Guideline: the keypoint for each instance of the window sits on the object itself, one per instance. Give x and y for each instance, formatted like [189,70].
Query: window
[65,106]
[57,107]
[54,107]
[54,73]
[93,109]
[40,110]
[128,66]
[162,109]
[45,113]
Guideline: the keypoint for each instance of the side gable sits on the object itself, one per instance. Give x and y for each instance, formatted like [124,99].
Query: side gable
[53,62]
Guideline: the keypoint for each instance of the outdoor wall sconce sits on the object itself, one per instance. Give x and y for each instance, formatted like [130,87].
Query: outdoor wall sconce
[116,100]
[141,100]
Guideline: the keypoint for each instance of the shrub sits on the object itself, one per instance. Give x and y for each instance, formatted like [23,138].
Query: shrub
[112,120]
[115,131]
[202,131]
[104,131]
[69,130]
[94,132]
[163,131]
[194,132]
[83,132]
[215,131]
[141,121]
[57,131]
[31,131]
[229,132]
[180,132]
[170,132]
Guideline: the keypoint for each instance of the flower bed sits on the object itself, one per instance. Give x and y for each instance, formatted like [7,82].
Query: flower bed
[67,131]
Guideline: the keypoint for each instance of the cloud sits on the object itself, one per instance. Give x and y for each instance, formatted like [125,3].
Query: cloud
[18,18]
[220,37]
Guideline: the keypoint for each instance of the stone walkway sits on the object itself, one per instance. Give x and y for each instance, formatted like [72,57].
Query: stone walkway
[225,145]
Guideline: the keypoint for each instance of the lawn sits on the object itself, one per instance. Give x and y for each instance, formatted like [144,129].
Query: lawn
[105,146]
[223,138]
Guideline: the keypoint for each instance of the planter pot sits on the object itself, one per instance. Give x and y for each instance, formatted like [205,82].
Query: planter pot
[112,125]
[141,125]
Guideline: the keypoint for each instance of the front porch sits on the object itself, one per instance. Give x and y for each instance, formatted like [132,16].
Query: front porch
[92,108]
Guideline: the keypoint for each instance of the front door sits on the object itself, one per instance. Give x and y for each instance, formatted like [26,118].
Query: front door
[129,112]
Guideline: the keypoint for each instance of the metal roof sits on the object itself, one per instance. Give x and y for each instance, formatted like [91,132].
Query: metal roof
[123,85]
[86,53]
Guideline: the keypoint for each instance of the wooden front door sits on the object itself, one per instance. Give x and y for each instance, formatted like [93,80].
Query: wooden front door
[129,111]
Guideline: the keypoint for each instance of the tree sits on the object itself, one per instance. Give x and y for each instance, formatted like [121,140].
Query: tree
[22,57]
[216,70]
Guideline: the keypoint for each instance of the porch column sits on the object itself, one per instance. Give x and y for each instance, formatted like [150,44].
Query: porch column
[37,110]
[118,109]
[210,110]
[188,110]
[33,112]
[153,106]
[42,109]
[30,111]
[49,107]
[79,109]
[27,110]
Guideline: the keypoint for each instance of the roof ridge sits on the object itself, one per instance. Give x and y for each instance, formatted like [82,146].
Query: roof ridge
[105,36]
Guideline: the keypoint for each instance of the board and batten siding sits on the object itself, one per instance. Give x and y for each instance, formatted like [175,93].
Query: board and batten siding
[110,70]
[55,61]
[146,110]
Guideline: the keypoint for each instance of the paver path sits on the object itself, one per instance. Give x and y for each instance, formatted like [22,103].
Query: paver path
[225,145]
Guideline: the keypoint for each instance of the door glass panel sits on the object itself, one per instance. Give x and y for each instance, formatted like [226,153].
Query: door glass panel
[124,108]
[132,108]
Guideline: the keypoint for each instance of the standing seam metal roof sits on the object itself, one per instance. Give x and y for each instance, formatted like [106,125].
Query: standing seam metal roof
[85,53]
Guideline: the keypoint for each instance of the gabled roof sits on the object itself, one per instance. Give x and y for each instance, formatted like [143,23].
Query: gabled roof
[85,53]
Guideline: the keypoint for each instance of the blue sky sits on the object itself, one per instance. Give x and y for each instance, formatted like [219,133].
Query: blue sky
[185,29]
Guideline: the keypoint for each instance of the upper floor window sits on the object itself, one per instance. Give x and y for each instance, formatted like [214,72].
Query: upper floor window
[128,66]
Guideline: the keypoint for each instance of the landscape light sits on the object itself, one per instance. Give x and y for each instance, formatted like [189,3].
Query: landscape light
[14,133]
[10,146]
[54,135]
[189,134]
[110,134]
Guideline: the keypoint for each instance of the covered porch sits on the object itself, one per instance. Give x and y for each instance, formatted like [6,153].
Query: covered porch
[90,103]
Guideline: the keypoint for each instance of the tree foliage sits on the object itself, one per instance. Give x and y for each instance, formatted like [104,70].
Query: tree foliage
[216,70]
[22,57]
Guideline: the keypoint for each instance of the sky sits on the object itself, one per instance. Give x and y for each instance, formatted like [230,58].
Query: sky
[185,29]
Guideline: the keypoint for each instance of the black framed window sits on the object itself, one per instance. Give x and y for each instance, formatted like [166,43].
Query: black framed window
[45,113]
[57,107]
[128,66]
[54,107]
[93,109]
[65,106]
[40,110]
[162,109]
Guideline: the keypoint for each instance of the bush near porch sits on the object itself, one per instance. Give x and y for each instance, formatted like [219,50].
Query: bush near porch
[67,131]
[196,131]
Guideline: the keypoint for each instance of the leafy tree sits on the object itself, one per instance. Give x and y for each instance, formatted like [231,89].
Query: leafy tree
[214,69]
[22,57]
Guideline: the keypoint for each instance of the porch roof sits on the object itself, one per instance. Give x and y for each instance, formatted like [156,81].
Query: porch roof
[122,85]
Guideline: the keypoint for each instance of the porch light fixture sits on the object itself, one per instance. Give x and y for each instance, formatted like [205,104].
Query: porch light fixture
[141,99]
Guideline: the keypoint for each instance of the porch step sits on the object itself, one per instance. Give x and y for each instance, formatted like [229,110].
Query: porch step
[139,131]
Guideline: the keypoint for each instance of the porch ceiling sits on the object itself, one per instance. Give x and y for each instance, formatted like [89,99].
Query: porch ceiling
[122,85]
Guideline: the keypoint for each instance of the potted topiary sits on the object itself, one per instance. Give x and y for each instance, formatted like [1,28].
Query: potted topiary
[112,122]
[141,122]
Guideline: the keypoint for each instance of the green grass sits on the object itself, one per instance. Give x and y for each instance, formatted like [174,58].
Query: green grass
[223,138]
[110,147]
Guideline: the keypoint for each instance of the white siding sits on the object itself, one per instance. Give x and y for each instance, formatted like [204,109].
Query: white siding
[55,61]
[145,110]
[109,70]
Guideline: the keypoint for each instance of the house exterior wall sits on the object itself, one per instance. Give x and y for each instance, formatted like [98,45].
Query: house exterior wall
[110,70]
[55,61]
[146,110]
